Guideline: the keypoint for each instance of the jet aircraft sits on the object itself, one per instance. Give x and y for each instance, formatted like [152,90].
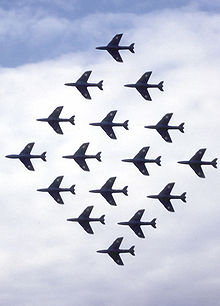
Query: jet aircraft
[54,120]
[79,156]
[195,163]
[139,160]
[142,85]
[25,156]
[113,47]
[114,250]
[84,219]
[106,191]
[106,124]
[135,223]
[162,127]
[54,190]
[81,84]
[164,197]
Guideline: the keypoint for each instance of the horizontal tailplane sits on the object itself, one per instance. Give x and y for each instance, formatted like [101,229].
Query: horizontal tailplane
[102,219]
[153,223]
[98,156]
[125,190]
[214,163]
[43,156]
[125,124]
[131,250]
[183,197]
[72,189]
[131,48]
[181,127]
[100,84]
[160,85]
[158,160]
[72,120]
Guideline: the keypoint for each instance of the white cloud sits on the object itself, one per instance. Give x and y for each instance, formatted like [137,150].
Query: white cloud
[45,260]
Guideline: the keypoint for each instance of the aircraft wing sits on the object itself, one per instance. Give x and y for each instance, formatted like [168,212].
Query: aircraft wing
[82,163]
[56,196]
[56,183]
[116,244]
[109,131]
[27,163]
[166,119]
[28,148]
[138,215]
[84,91]
[82,149]
[109,198]
[164,134]
[167,190]
[110,116]
[142,168]
[55,125]
[145,94]
[116,55]
[86,213]
[145,77]
[138,231]
[56,112]
[86,226]
[197,169]
[109,183]
[84,77]
[198,155]
[142,153]
[167,204]
[116,257]
[115,40]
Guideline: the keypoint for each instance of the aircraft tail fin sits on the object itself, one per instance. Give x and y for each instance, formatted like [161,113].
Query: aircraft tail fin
[72,120]
[72,189]
[131,250]
[43,156]
[214,163]
[102,219]
[125,190]
[131,48]
[125,124]
[153,223]
[160,85]
[98,156]
[100,84]
[158,160]
[181,127]
[183,197]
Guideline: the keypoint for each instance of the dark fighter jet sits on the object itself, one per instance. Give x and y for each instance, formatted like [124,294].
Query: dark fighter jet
[54,120]
[162,127]
[25,156]
[81,84]
[106,124]
[142,85]
[135,223]
[164,197]
[84,219]
[106,191]
[195,162]
[113,47]
[139,160]
[54,189]
[113,251]
[79,156]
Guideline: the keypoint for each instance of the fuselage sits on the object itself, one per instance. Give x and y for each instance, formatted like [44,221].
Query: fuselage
[112,251]
[139,160]
[112,48]
[164,196]
[130,223]
[53,120]
[106,191]
[23,156]
[79,156]
[111,124]
[195,162]
[82,84]
[163,126]
[53,189]
[141,85]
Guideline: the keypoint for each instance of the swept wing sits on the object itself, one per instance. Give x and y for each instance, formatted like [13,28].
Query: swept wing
[164,134]
[56,196]
[27,149]
[145,93]
[197,169]
[84,91]
[115,40]
[84,77]
[116,55]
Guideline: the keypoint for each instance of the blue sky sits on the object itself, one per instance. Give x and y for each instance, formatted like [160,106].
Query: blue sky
[45,260]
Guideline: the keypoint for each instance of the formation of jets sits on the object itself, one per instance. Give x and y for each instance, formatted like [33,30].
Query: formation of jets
[139,160]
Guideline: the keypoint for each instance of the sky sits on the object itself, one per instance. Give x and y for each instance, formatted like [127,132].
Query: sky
[44,259]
